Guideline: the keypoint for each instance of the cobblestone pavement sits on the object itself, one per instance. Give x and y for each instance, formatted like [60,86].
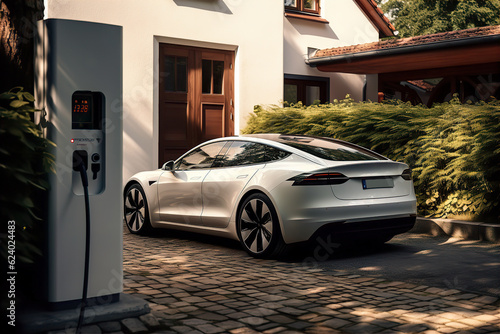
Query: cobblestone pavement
[195,286]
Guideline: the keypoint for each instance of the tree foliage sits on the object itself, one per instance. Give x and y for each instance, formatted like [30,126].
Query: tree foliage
[453,148]
[423,17]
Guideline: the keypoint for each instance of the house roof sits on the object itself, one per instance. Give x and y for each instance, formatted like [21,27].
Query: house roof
[414,53]
[376,15]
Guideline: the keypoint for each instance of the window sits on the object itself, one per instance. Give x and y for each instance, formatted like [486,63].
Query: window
[202,157]
[273,154]
[243,153]
[247,153]
[175,74]
[307,6]
[212,75]
[308,90]
[329,149]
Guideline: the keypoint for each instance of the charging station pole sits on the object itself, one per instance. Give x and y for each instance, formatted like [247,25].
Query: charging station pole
[79,84]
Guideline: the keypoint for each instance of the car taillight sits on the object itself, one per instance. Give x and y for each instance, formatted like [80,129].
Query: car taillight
[318,179]
[406,174]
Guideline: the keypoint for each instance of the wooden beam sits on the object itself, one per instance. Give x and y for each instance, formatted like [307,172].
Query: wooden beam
[479,69]
[439,58]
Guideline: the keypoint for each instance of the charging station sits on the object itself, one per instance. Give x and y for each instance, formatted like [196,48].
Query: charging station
[79,85]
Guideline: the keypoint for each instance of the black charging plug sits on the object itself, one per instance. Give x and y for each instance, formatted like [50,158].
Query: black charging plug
[80,157]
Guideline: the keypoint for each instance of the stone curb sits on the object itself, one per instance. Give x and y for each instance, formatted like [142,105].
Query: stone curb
[458,229]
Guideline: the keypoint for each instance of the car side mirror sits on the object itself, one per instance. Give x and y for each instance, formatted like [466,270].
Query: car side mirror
[169,165]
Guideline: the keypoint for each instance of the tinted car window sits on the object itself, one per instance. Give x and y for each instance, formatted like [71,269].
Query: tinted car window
[243,153]
[273,153]
[329,150]
[202,157]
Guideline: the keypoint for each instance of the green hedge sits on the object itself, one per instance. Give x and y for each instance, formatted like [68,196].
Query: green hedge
[453,148]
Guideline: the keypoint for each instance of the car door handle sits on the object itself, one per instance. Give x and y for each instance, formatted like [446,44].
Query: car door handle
[194,178]
[242,176]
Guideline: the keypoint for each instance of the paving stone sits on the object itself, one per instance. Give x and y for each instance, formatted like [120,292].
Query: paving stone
[110,326]
[209,328]
[300,325]
[134,326]
[183,329]
[211,316]
[485,300]
[229,324]
[362,328]
[336,323]
[150,321]
[411,328]
[91,329]
[193,322]
[254,321]
[260,311]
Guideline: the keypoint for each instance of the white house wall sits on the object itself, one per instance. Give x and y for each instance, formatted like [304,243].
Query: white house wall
[253,29]
[347,25]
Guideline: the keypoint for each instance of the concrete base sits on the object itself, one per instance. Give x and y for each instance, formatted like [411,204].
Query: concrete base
[37,319]
[459,229]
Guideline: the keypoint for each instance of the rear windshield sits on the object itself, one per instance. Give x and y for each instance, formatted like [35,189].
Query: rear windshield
[329,150]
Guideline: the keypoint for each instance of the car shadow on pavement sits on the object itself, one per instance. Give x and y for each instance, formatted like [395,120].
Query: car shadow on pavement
[320,249]
[197,237]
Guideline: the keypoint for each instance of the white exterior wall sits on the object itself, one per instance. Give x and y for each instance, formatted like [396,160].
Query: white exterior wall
[255,34]
[348,25]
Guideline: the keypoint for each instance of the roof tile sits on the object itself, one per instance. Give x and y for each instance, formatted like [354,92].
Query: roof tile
[410,41]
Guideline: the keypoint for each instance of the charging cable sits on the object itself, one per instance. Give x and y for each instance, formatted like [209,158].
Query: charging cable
[85,184]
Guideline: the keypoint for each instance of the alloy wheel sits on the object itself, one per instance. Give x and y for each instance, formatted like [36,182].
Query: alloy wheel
[135,209]
[256,226]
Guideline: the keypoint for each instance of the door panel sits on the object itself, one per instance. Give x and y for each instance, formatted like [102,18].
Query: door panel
[220,190]
[212,121]
[175,111]
[228,178]
[195,98]
[180,196]
[175,125]
[180,190]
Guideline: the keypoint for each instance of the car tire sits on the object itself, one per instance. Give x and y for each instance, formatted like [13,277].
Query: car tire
[258,227]
[136,212]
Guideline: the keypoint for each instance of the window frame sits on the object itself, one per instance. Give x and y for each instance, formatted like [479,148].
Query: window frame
[302,82]
[300,8]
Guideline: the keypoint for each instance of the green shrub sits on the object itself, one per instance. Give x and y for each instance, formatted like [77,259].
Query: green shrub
[453,148]
[24,164]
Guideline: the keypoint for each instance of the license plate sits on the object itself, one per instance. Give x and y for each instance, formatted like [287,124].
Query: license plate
[381,182]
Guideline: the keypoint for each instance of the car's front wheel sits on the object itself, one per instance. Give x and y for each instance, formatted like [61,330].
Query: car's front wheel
[258,227]
[136,210]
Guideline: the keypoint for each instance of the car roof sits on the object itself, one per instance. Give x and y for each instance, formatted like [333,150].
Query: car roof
[278,140]
[282,138]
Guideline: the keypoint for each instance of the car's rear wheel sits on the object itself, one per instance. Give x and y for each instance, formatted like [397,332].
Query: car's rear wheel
[258,227]
[136,210]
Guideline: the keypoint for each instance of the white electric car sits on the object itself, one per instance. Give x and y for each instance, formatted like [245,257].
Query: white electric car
[272,190]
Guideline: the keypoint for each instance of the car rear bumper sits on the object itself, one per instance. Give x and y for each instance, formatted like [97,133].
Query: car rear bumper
[377,217]
[366,230]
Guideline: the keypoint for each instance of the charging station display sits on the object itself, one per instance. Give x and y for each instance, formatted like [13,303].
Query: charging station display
[83,112]
[87,111]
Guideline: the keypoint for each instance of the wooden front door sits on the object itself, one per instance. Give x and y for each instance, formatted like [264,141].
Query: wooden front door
[196,98]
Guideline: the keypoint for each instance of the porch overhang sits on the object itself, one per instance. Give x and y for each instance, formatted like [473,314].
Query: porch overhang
[453,53]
